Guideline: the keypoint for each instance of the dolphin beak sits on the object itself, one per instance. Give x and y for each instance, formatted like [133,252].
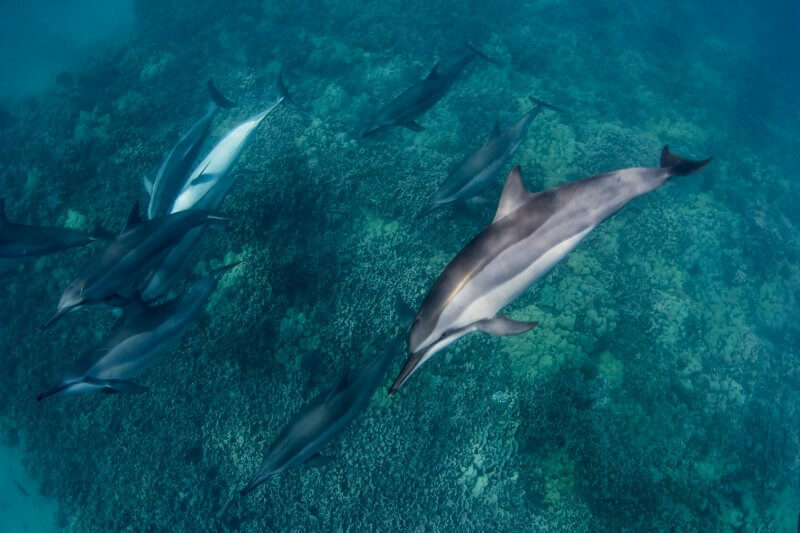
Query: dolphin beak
[58,315]
[411,366]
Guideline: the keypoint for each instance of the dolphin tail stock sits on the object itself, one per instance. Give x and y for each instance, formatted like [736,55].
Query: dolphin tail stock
[680,166]
[480,54]
[540,104]
[217,97]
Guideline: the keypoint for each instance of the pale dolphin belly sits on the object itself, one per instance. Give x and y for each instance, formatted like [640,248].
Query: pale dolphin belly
[493,288]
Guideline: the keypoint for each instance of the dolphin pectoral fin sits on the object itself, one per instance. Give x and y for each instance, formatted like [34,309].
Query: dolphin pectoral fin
[117,300]
[404,311]
[217,97]
[117,386]
[148,185]
[434,73]
[495,133]
[501,325]
[514,194]
[318,460]
[680,166]
[3,219]
[480,199]
[134,219]
[413,126]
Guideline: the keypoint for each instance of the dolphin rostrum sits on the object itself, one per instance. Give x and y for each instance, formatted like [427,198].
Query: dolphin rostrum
[529,235]
[206,189]
[142,335]
[420,97]
[113,275]
[172,174]
[475,173]
[20,243]
[323,419]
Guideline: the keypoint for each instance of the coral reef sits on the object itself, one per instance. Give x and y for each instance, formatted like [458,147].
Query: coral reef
[659,392]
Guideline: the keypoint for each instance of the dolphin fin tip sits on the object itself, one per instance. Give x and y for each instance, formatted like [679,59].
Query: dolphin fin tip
[681,166]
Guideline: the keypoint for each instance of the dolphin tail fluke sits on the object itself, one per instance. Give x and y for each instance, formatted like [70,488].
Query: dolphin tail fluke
[680,166]
[544,105]
[283,93]
[427,211]
[217,97]
[481,54]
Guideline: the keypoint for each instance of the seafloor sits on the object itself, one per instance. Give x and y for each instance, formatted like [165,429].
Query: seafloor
[660,391]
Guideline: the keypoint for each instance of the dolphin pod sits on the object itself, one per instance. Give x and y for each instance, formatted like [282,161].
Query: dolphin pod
[112,276]
[420,97]
[20,243]
[172,173]
[142,335]
[530,233]
[474,174]
[206,188]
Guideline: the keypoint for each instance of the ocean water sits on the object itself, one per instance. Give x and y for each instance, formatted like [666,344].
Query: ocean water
[661,390]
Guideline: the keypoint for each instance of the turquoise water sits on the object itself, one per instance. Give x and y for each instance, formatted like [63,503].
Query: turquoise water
[659,392]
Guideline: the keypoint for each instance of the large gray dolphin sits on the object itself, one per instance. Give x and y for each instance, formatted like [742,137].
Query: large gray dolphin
[20,243]
[420,97]
[171,176]
[113,275]
[323,419]
[529,235]
[474,174]
[142,335]
[206,189]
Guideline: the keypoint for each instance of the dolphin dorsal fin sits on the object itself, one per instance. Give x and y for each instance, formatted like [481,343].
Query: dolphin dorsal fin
[3,219]
[495,133]
[434,73]
[342,383]
[514,194]
[133,218]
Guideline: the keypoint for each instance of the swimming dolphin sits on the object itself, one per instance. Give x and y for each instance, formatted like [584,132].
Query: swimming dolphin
[142,335]
[112,276]
[529,235]
[420,97]
[206,189]
[323,419]
[20,243]
[172,174]
[475,173]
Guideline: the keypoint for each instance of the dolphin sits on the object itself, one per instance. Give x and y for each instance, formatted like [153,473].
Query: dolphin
[172,174]
[142,335]
[529,235]
[475,172]
[420,97]
[206,188]
[112,276]
[323,419]
[20,243]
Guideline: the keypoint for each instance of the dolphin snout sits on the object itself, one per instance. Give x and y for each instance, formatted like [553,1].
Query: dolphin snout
[411,366]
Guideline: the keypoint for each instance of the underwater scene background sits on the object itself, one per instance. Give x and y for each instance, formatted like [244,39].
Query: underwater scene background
[661,390]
